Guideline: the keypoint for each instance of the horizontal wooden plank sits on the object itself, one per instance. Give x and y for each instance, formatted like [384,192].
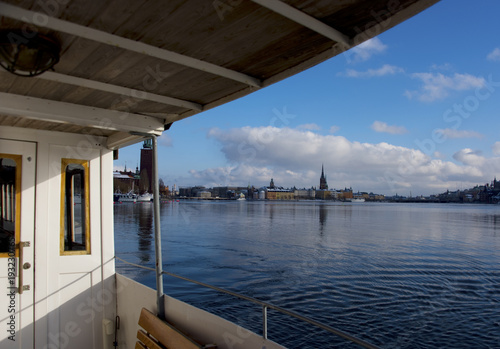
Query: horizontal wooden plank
[148,341]
[139,345]
[165,333]
[136,46]
[96,85]
[36,108]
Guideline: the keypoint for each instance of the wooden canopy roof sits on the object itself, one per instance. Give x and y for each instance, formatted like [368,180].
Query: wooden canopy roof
[130,68]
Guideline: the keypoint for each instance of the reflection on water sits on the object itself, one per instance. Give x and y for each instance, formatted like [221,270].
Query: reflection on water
[145,233]
[322,217]
[134,230]
[396,275]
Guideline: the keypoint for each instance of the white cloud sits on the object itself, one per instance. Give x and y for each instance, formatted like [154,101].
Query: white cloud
[334,129]
[458,134]
[364,51]
[293,158]
[438,155]
[386,69]
[437,86]
[496,148]
[469,157]
[494,55]
[445,66]
[380,126]
[312,127]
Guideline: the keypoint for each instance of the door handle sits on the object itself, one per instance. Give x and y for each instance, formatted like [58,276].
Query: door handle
[22,287]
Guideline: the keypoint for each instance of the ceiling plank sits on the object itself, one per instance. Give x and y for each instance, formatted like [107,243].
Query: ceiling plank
[41,109]
[52,23]
[304,19]
[333,51]
[136,94]
[337,49]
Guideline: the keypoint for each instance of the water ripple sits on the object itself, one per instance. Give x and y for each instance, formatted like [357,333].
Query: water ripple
[399,276]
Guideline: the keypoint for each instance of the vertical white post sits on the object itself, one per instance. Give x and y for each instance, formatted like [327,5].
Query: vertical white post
[264,322]
[158,260]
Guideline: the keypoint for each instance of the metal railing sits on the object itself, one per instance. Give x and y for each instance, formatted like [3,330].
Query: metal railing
[265,306]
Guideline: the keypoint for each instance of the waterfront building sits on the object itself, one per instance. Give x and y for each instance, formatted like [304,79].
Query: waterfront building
[305,194]
[125,181]
[285,195]
[346,193]
[204,194]
[270,194]
[185,192]
[376,197]
[324,194]
[262,194]
[224,192]
[279,194]
[337,195]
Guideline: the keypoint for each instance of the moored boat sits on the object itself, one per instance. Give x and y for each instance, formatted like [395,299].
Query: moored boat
[356,200]
[146,197]
[128,197]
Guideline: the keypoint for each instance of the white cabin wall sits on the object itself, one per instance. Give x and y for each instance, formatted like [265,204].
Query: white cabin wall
[108,247]
[71,289]
[132,297]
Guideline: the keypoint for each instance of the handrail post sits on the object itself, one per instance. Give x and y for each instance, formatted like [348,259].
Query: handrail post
[157,223]
[264,321]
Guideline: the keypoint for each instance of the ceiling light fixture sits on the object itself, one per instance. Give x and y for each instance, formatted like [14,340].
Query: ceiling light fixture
[27,54]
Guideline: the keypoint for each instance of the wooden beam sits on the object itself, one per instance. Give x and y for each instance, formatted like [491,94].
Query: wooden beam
[122,139]
[337,49]
[42,109]
[396,18]
[57,24]
[306,20]
[133,93]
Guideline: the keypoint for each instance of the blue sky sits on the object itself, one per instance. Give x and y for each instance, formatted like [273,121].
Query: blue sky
[414,110]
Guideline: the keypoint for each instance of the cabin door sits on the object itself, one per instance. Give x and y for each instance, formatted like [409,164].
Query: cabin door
[17,219]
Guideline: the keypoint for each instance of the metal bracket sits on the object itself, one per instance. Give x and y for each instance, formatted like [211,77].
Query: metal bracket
[22,287]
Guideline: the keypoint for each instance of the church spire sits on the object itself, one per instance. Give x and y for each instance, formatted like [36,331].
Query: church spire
[322,181]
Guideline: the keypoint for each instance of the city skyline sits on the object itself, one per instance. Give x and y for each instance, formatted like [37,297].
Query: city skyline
[413,110]
[489,189]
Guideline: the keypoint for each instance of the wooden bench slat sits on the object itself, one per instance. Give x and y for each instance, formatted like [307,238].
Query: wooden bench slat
[139,345]
[148,341]
[165,333]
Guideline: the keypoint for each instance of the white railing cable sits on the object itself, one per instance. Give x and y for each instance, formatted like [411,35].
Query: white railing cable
[266,306]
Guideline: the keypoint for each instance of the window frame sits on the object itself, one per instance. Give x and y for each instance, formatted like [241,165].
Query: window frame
[18,159]
[85,200]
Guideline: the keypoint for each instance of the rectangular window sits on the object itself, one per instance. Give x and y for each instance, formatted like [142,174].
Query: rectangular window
[10,203]
[75,207]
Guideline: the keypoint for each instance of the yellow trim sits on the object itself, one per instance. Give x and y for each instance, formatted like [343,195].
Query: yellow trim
[18,159]
[85,165]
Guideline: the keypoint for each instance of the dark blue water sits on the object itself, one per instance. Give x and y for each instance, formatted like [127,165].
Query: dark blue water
[395,275]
